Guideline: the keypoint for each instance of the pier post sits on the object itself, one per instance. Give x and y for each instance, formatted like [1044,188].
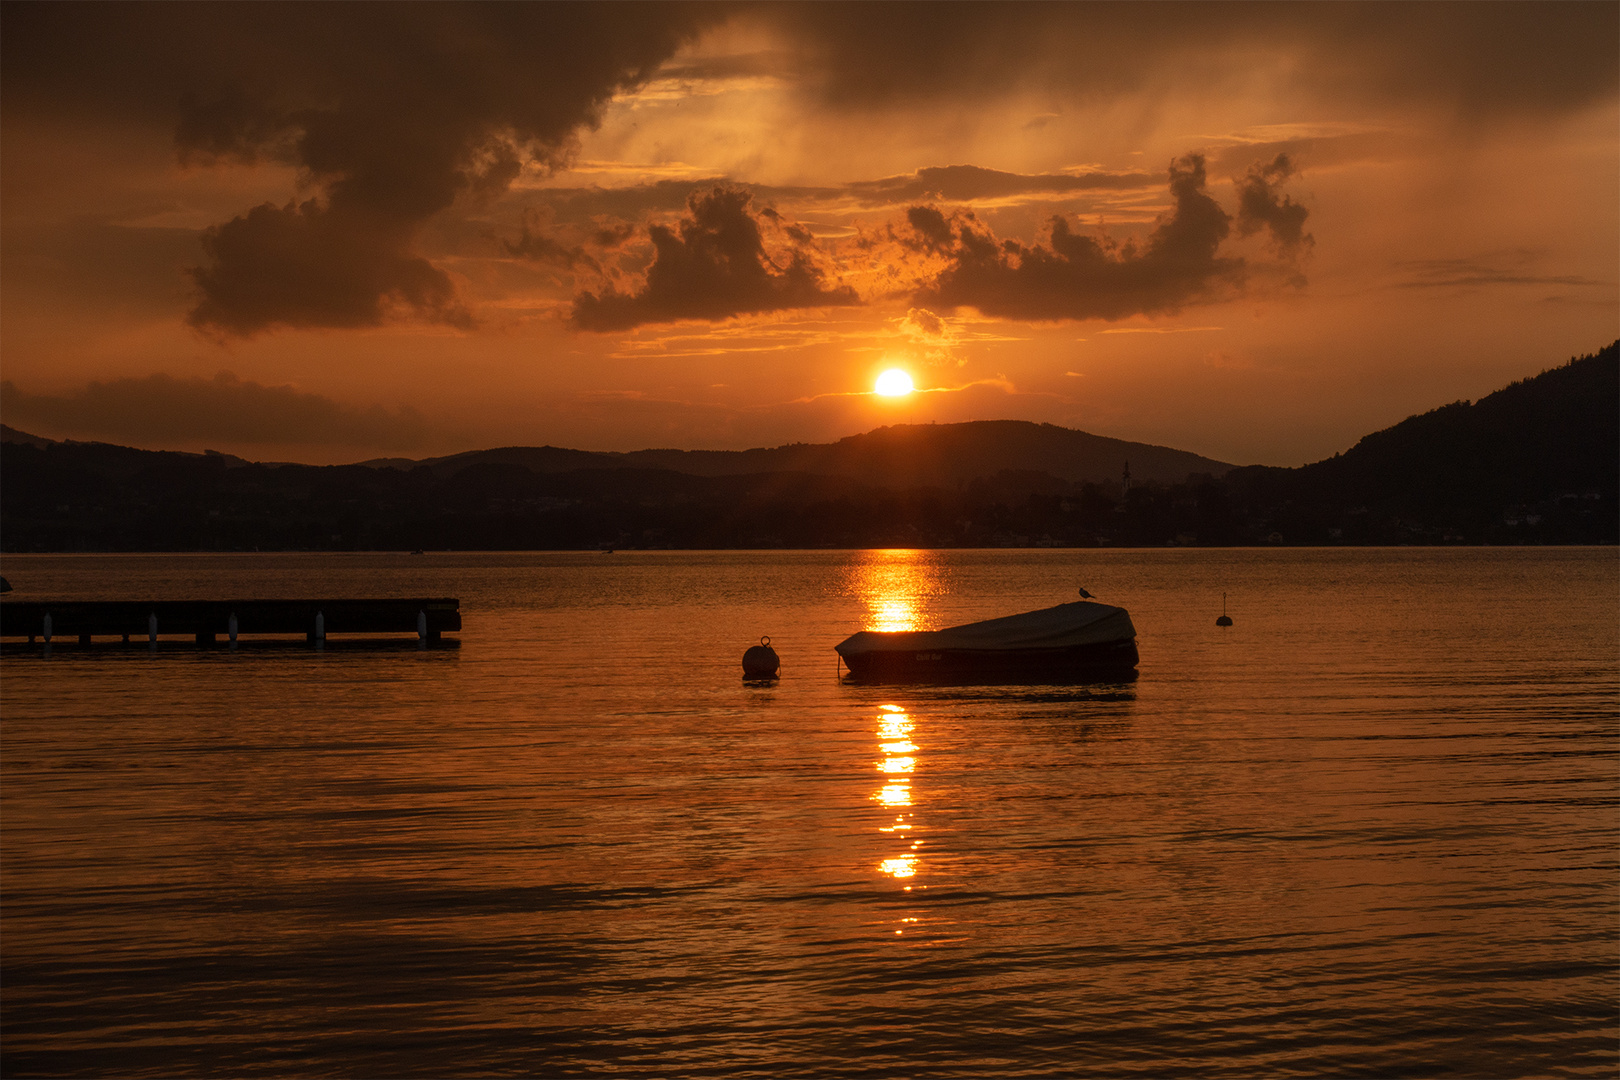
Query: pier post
[151,629]
[47,629]
[320,628]
[230,627]
[84,639]
[421,625]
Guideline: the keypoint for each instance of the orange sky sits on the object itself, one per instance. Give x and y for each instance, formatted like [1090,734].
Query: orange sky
[298,232]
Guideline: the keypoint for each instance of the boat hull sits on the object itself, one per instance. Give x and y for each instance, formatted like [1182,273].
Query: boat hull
[1102,661]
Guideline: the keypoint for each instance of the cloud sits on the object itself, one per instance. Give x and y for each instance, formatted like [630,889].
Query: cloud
[1084,277]
[164,410]
[1318,150]
[947,183]
[582,205]
[1479,62]
[1261,207]
[536,246]
[768,63]
[934,232]
[929,336]
[920,324]
[1516,267]
[1161,329]
[714,266]
[390,114]
[970,183]
[307,265]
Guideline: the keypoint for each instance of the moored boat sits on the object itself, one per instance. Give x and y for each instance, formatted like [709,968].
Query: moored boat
[1078,640]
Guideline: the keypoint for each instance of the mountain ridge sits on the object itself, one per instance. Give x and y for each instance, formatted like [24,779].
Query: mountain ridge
[1549,437]
[1537,462]
[896,455]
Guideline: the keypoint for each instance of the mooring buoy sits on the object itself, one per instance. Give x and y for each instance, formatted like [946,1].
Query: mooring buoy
[1224,620]
[761,661]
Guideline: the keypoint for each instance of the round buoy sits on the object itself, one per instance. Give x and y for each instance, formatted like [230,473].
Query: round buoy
[1224,620]
[761,661]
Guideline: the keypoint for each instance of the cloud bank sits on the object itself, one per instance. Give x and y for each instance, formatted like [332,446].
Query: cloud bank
[161,409]
[1479,62]
[1091,277]
[714,266]
[390,113]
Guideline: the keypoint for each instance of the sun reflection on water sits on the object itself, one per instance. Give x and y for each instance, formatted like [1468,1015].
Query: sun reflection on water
[893,614]
[895,795]
[896,766]
[895,585]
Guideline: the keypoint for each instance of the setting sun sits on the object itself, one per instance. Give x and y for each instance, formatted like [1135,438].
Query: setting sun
[893,383]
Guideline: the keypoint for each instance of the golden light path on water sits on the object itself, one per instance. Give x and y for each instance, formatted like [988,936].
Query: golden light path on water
[894,729]
[894,585]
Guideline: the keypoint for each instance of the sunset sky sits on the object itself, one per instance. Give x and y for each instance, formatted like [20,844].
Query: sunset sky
[1256,232]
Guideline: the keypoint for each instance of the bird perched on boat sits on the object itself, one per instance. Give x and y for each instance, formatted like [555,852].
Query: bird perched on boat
[1085,595]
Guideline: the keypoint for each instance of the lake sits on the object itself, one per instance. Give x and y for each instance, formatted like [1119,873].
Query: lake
[1367,830]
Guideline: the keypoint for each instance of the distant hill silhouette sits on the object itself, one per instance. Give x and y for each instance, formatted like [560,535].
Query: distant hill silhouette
[1536,462]
[12,435]
[1540,447]
[902,456]
[117,459]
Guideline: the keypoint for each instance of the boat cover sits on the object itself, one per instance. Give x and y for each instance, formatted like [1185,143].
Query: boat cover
[1061,627]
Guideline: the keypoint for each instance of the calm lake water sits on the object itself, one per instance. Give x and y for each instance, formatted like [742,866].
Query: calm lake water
[1369,830]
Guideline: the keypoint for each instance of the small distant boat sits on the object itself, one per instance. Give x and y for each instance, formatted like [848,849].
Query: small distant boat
[1078,640]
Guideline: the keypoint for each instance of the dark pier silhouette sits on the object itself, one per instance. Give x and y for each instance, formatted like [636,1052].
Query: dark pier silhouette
[206,621]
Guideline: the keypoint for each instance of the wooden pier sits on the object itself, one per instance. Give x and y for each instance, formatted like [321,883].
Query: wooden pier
[206,621]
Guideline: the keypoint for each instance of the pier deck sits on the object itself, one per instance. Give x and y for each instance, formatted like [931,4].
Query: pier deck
[208,620]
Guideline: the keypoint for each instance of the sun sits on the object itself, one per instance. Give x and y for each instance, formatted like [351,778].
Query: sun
[894,383]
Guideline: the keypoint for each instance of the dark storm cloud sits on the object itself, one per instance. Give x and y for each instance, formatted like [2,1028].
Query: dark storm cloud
[390,112]
[1480,60]
[307,265]
[1261,206]
[1083,277]
[161,409]
[712,266]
